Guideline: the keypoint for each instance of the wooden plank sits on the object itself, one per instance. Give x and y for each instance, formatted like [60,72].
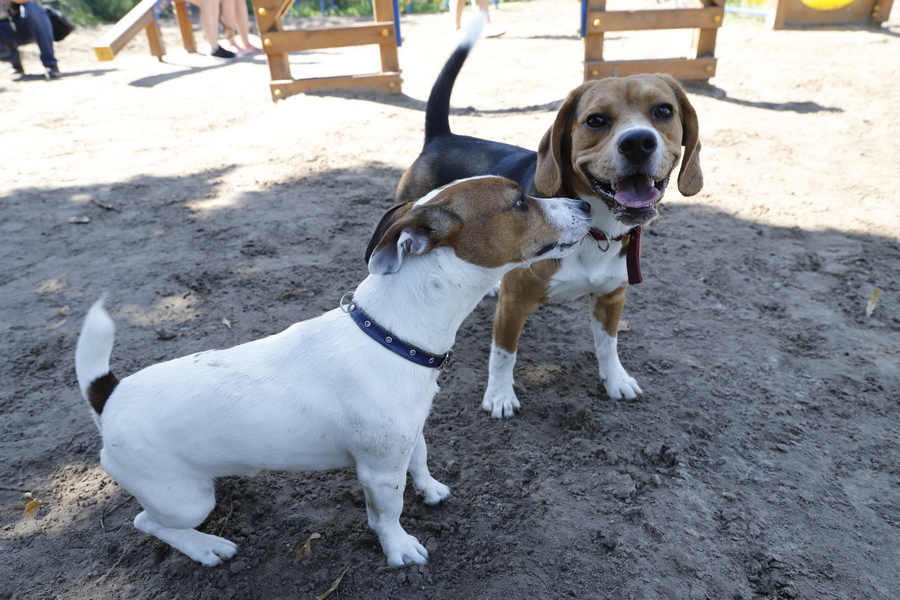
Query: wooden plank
[300,40]
[639,20]
[269,14]
[705,43]
[780,16]
[593,41]
[383,13]
[128,26]
[376,82]
[279,66]
[154,37]
[185,26]
[679,68]
[881,11]
[793,13]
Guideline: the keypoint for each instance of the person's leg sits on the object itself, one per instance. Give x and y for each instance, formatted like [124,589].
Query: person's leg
[490,30]
[236,17]
[10,47]
[209,22]
[42,30]
[483,7]
[242,17]
[460,7]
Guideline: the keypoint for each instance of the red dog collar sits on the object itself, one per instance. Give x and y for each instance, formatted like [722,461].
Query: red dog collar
[633,253]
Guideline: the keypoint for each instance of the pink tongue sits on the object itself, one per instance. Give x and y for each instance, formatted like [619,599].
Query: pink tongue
[636,191]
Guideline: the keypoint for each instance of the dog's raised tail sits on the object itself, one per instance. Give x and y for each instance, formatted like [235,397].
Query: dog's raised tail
[92,358]
[437,112]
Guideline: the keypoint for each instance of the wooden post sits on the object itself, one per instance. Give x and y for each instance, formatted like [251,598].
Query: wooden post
[793,13]
[154,37]
[383,11]
[137,19]
[185,26]
[593,43]
[269,15]
[144,16]
[278,43]
[705,20]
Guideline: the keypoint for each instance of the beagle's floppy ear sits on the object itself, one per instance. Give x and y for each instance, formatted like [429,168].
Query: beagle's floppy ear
[418,232]
[690,177]
[548,175]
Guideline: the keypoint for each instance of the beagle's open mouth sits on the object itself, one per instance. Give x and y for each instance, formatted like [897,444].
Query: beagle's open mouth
[636,192]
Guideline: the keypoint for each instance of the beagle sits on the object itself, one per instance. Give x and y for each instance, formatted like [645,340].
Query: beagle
[614,144]
[350,387]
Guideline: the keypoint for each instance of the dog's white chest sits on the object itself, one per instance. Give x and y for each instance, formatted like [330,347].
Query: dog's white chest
[588,270]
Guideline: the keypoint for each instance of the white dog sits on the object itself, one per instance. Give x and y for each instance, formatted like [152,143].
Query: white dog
[350,387]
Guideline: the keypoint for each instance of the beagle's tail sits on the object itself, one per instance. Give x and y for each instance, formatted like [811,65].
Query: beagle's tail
[437,112]
[92,358]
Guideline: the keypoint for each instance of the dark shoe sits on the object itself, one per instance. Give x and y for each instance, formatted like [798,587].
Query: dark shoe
[53,73]
[17,71]
[221,52]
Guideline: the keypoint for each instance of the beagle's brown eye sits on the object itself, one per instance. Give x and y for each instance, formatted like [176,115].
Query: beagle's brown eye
[595,122]
[522,204]
[663,112]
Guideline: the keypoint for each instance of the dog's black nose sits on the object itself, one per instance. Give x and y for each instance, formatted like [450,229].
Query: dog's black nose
[582,205]
[637,145]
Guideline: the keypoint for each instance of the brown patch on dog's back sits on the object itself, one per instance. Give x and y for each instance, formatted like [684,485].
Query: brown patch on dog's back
[100,390]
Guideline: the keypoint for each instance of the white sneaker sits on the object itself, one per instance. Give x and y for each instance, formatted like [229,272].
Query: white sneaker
[491,30]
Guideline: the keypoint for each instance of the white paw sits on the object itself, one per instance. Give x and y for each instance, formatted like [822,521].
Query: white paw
[210,550]
[433,492]
[500,403]
[622,385]
[405,549]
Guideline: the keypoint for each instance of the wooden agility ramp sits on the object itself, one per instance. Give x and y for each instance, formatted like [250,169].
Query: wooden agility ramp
[704,20]
[278,43]
[804,13]
[145,16]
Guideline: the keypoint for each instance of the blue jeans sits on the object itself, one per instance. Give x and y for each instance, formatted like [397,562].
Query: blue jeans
[33,24]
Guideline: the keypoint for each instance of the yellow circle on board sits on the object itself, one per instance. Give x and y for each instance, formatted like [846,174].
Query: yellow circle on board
[826,4]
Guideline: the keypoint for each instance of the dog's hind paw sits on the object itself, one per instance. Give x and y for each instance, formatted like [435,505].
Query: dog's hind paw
[211,550]
[208,550]
[434,492]
[500,404]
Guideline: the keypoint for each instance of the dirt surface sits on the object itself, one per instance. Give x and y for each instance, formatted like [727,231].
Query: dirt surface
[761,462]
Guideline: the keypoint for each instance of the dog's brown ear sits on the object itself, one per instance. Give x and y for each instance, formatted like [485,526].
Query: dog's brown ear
[417,232]
[387,219]
[690,177]
[548,175]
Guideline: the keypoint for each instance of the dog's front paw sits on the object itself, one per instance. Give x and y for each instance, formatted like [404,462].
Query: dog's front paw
[500,403]
[405,549]
[622,385]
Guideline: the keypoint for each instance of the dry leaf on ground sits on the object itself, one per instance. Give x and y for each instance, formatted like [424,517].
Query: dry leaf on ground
[873,301]
[306,550]
[334,585]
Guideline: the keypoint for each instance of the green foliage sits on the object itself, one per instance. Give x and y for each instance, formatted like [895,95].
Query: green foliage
[92,12]
[346,8]
[359,8]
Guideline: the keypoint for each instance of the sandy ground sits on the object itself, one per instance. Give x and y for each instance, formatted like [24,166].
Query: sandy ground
[761,462]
